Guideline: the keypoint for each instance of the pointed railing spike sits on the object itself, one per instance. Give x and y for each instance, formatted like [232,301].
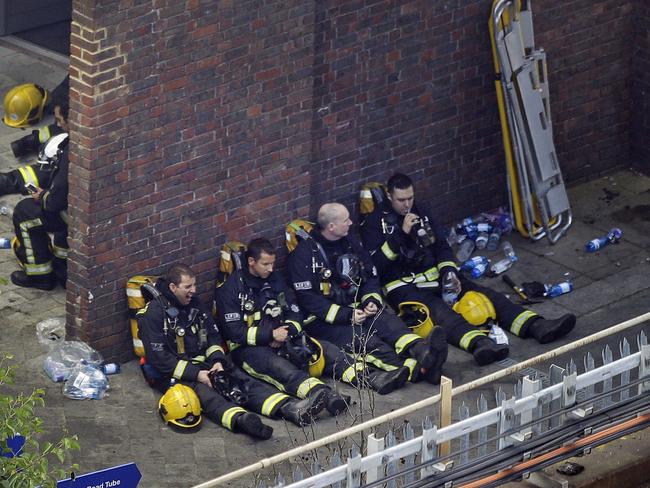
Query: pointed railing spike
[518,388]
[482,405]
[463,412]
[641,339]
[624,349]
[391,466]
[409,461]
[297,474]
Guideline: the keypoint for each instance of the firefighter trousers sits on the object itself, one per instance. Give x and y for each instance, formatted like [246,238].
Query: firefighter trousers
[35,251]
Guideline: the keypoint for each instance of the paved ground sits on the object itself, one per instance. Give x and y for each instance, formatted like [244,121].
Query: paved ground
[610,286]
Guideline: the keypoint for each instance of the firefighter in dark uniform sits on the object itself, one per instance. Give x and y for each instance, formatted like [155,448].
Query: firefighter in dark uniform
[182,343]
[411,268]
[46,211]
[336,284]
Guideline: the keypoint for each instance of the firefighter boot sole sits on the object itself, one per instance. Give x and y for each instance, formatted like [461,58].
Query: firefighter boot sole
[385,382]
[336,403]
[438,345]
[250,424]
[487,351]
[302,412]
[20,278]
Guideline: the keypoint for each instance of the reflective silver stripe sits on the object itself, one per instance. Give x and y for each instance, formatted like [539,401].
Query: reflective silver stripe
[331,313]
[250,336]
[60,252]
[179,369]
[133,292]
[249,369]
[27,242]
[404,341]
[467,338]
[229,415]
[212,349]
[520,320]
[39,269]
[388,252]
[306,386]
[429,275]
[271,402]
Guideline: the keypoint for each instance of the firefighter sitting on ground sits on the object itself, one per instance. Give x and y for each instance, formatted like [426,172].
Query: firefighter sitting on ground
[182,344]
[259,316]
[44,262]
[411,268]
[336,284]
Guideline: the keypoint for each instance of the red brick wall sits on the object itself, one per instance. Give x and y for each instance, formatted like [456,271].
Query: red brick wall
[641,88]
[196,122]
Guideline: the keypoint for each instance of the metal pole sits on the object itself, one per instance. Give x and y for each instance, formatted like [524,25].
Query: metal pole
[264,463]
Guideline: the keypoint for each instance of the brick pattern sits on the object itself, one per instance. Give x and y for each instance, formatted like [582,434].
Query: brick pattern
[641,87]
[196,122]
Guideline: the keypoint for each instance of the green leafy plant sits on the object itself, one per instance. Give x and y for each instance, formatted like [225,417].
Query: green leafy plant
[32,467]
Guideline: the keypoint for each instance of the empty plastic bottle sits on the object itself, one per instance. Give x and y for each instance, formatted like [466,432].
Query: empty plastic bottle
[5,209]
[473,263]
[559,289]
[110,368]
[498,335]
[449,289]
[501,266]
[493,240]
[465,250]
[509,251]
[612,236]
[5,243]
[481,240]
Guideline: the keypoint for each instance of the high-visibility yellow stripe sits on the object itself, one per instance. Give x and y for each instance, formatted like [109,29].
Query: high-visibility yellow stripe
[467,338]
[60,252]
[200,358]
[143,310]
[25,227]
[271,403]
[350,373]
[212,349]
[430,275]
[306,386]
[331,313]
[29,175]
[251,334]
[405,341]
[39,269]
[229,415]
[520,320]
[309,319]
[179,369]
[411,364]
[375,361]
[376,296]
[388,252]
[295,324]
[44,134]
[447,263]
[249,369]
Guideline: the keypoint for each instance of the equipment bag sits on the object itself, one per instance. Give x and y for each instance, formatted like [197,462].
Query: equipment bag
[371,196]
[135,302]
[296,231]
[231,258]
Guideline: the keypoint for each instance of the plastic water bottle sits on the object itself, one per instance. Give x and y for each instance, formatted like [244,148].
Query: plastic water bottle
[465,250]
[612,236]
[481,241]
[498,335]
[473,263]
[4,208]
[501,266]
[493,240]
[449,289]
[5,243]
[509,251]
[559,289]
[110,368]
[479,270]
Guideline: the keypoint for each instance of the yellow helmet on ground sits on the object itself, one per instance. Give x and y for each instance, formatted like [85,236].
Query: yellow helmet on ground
[180,408]
[416,316]
[317,361]
[24,105]
[475,307]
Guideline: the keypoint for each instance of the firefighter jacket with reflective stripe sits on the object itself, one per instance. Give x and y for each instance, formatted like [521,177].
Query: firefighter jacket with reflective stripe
[161,349]
[398,255]
[55,198]
[249,308]
[328,299]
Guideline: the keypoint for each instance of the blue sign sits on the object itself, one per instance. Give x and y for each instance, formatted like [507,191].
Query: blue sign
[14,446]
[123,476]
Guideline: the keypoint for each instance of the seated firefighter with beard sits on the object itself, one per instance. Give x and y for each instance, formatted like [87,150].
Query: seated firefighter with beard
[183,345]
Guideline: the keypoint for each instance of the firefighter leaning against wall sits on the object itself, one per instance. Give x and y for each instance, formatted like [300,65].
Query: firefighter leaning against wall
[336,284]
[412,256]
[183,345]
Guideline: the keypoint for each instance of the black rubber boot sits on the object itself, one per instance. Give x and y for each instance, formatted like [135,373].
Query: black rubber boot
[42,282]
[438,346]
[384,382]
[250,424]
[546,330]
[486,351]
[422,353]
[335,403]
[302,412]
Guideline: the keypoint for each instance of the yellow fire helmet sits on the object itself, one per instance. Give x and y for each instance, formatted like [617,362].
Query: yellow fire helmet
[24,105]
[476,308]
[317,362]
[416,316]
[180,408]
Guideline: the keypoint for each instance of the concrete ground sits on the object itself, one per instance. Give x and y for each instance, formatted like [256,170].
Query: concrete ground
[610,286]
